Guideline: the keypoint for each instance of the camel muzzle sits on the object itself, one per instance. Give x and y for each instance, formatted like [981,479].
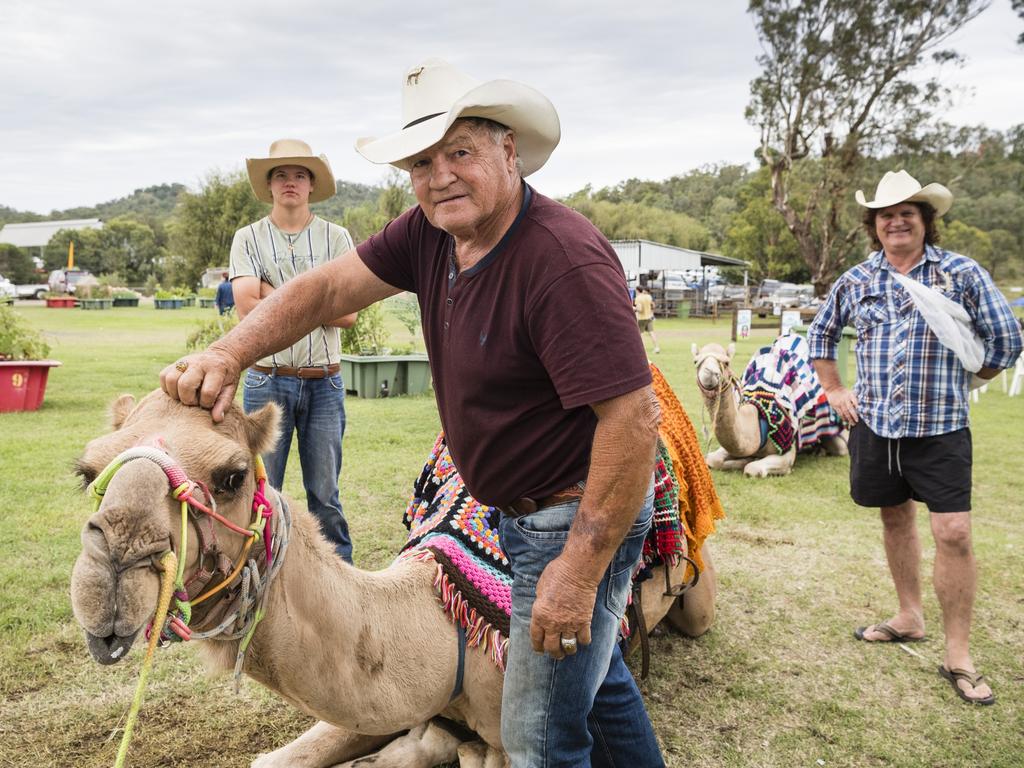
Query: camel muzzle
[111,649]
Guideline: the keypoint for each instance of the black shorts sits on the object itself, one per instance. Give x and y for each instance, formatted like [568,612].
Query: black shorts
[935,470]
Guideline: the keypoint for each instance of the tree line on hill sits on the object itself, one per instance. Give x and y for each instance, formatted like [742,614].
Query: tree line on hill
[724,209]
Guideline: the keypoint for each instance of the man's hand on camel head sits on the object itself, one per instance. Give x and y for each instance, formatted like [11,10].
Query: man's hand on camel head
[562,610]
[207,379]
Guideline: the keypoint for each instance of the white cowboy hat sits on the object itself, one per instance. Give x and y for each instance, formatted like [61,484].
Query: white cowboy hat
[901,187]
[291,152]
[435,94]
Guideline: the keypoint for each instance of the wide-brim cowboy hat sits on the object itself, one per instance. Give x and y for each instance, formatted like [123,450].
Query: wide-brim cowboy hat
[291,152]
[435,94]
[901,187]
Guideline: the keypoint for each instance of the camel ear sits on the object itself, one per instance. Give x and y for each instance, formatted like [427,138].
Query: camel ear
[120,409]
[730,350]
[694,351]
[261,428]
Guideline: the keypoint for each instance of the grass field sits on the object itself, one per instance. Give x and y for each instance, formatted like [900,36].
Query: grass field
[778,681]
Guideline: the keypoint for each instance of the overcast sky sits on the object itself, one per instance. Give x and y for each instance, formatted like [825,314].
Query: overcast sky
[102,98]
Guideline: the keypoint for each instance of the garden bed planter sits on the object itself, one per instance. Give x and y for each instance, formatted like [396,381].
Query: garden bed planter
[384,375]
[188,301]
[126,302]
[207,303]
[61,302]
[168,303]
[22,384]
[95,303]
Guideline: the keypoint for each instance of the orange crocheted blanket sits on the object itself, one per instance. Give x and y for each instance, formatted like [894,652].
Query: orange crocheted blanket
[699,505]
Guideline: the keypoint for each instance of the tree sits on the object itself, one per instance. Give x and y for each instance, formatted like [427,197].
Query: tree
[970,241]
[758,235]
[626,221]
[1018,6]
[16,265]
[87,249]
[366,219]
[839,80]
[205,224]
[129,249]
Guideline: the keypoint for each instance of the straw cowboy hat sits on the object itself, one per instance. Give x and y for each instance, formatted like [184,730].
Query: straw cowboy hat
[435,94]
[291,152]
[901,187]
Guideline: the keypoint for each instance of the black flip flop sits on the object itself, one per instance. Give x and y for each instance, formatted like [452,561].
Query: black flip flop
[975,679]
[892,635]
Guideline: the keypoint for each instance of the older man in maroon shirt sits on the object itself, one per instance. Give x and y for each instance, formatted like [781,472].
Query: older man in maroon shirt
[542,386]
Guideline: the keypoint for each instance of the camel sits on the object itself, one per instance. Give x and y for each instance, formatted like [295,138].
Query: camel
[742,413]
[336,641]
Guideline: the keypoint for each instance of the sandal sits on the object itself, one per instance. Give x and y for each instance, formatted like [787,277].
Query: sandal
[892,635]
[955,675]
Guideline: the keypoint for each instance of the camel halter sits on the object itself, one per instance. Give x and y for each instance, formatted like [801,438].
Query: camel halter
[254,584]
[726,383]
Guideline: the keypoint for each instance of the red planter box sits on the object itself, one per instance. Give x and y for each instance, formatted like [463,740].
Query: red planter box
[22,384]
[61,302]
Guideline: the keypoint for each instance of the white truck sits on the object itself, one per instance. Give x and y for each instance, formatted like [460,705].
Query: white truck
[32,290]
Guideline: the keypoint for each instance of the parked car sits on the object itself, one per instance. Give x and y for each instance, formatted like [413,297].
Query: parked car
[791,295]
[65,280]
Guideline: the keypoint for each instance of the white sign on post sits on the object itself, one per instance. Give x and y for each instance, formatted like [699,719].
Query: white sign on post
[790,317]
[743,320]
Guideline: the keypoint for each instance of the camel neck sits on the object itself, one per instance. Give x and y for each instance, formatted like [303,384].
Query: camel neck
[737,427]
[337,641]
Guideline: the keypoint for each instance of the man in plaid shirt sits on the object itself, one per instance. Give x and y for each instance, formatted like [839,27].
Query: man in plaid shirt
[908,410]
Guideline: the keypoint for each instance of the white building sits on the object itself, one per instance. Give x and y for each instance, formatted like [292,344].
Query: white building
[36,234]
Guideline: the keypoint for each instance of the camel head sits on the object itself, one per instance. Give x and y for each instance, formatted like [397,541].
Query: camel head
[713,371]
[115,581]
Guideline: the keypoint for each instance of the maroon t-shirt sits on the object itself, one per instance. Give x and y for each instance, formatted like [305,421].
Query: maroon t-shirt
[520,344]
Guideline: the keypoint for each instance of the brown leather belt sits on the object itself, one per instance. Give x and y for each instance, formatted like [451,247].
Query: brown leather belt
[313,372]
[527,506]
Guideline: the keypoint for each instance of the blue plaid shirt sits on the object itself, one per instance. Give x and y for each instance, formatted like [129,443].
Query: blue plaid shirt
[908,384]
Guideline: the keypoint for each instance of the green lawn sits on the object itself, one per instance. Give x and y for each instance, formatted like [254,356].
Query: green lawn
[778,681]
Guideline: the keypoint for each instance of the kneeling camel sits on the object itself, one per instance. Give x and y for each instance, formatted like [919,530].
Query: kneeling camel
[336,641]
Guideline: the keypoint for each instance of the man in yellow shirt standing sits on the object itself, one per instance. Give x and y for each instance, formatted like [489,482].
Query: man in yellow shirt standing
[643,305]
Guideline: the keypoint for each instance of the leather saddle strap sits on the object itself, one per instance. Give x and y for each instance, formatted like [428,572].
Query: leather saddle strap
[640,628]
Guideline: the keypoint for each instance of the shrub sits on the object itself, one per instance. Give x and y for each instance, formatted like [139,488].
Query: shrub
[368,336]
[19,340]
[98,291]
[209,331]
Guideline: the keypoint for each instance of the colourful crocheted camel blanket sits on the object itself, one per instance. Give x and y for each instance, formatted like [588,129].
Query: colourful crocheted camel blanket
[448,526]
[781,383]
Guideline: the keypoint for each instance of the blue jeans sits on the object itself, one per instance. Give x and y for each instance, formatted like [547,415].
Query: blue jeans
[584,710]
[316,409]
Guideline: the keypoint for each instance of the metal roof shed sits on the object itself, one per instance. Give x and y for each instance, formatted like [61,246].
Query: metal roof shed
[647,256]
[36,234]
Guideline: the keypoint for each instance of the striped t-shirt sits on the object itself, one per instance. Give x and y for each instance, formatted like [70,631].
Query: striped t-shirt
[262,250]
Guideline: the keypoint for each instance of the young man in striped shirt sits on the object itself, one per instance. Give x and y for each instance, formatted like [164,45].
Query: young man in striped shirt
[303,379]
[908,409]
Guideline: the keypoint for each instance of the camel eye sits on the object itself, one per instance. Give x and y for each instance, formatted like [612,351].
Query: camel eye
[228,481]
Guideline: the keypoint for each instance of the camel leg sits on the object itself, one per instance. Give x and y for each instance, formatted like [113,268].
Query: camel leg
[321,746]
[693,613]
[478,754]
[836,445]
[720,459]
[424,746]
[771,465]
